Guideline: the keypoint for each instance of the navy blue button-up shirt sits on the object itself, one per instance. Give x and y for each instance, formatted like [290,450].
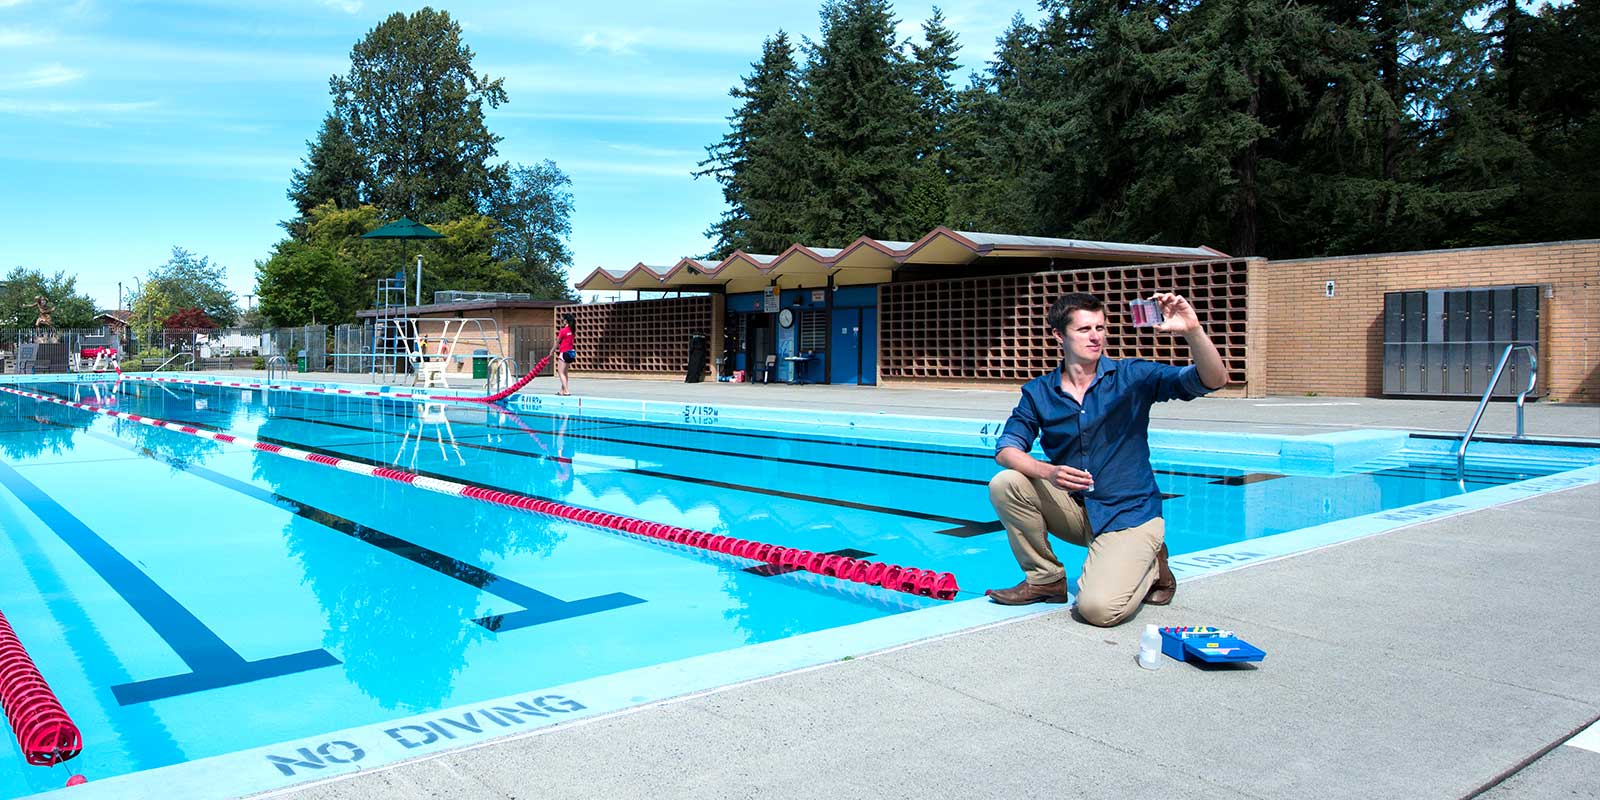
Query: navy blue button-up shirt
[1107,435]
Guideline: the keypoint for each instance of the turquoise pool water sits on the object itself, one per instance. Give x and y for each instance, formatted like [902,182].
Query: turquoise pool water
[189,599]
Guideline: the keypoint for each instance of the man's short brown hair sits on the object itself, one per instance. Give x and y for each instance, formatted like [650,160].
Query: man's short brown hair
[1061,310]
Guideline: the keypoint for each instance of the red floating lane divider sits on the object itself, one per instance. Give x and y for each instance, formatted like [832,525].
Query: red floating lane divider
[901,579]
[44,730]
[493,398]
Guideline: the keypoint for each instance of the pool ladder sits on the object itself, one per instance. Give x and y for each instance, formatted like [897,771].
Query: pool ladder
[1477,416]
[502,372]
[279,366]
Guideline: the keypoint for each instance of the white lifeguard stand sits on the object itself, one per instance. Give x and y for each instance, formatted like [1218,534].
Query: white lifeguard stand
[426,346]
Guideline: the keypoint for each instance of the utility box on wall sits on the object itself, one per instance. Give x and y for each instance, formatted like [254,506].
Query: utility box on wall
[1446,342]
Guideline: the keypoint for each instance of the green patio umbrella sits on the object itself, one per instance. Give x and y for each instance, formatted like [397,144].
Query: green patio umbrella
[406,228]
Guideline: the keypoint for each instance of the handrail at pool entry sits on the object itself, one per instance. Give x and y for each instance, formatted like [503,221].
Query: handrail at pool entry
[175,357]
[44,731]
[889,576]
[503,366]
[1477,416]
[277,365]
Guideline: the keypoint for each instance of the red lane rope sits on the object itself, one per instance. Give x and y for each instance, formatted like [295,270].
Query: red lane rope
[512,389]
[44,730]
[493,398]
[941,585]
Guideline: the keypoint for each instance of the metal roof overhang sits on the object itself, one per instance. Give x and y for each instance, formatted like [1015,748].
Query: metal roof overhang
[869,261]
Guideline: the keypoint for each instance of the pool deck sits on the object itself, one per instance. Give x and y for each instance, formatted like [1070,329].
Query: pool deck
[1445,659]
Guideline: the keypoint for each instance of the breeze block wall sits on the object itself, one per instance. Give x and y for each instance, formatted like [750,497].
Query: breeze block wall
[1334,345]
[993,330]
[643,337]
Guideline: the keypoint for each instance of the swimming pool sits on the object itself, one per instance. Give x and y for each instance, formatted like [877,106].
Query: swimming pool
[244,620]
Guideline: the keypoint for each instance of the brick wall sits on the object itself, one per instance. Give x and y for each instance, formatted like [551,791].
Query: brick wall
[1334,345]
[991,331]
[644,338]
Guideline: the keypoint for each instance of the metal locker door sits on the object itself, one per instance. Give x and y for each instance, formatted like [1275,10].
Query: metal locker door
[1482,354]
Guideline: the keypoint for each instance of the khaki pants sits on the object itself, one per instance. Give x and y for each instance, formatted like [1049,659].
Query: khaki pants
[1120,565]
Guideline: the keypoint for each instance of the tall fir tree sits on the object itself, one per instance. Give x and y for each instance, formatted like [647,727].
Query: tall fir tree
[933,63]
[761,162]
[861,112]
[992,165]
[332,171]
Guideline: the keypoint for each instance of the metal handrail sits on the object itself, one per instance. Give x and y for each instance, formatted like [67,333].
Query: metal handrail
[175,356]
[1477,416]
[496,365]
[277,365]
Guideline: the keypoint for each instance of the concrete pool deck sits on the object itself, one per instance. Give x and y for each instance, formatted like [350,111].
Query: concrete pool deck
[1447,659]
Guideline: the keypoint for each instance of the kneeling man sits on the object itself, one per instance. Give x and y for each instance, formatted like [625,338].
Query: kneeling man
[1097,490]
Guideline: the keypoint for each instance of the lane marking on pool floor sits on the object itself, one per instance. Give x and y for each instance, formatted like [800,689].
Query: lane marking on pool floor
[894,577]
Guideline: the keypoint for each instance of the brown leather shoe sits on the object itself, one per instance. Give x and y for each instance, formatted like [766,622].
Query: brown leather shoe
[1166,584]
[1025,593]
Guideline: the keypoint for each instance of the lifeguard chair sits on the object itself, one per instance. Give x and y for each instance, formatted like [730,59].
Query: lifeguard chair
[430,367]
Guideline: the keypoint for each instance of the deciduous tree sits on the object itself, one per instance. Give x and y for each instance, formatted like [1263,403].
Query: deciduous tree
[413,107]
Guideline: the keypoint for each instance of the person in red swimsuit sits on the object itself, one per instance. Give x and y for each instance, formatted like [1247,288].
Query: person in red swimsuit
[565,350]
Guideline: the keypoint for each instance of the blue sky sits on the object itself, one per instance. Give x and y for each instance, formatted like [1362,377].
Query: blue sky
[129,127]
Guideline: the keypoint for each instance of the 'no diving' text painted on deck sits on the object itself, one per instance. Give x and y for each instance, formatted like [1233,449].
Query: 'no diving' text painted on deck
[445,730]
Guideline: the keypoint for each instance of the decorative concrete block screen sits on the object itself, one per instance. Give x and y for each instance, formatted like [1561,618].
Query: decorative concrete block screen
[993,329]
[648,336]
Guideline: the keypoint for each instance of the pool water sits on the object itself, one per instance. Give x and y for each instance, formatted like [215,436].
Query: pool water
[187,598]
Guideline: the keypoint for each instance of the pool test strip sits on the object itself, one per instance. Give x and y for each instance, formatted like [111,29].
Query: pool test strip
[1146,313]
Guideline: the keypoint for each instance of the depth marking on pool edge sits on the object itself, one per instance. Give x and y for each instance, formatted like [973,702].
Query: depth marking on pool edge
[212,663]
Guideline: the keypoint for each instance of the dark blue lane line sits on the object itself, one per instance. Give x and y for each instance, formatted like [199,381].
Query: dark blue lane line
[1225,480]
[212,663]
[702,451]
[764,436]
[961,528]
[538,607]
[100,664]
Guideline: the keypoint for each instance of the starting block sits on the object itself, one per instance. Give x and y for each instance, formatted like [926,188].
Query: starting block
[1210,645]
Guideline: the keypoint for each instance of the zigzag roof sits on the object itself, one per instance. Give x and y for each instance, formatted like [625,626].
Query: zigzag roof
[872,261]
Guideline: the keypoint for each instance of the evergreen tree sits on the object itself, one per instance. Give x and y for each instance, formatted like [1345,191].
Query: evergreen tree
[413,107]
[761,161]
[928,204]
[333,171]
[992,166]
[533,207]
[861,114]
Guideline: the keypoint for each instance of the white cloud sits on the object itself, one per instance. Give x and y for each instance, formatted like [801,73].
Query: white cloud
[22,37]
[347,6]
[39,77]
[241,165]
[642,119]
[650,152]
[59,108]
[570,80]
[616,43]
[581,166]
[11,3]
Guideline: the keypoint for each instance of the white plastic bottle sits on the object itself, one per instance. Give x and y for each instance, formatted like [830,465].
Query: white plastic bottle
[1150,648]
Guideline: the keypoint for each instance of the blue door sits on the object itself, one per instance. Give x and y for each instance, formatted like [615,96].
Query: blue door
[844,346]
[869,346]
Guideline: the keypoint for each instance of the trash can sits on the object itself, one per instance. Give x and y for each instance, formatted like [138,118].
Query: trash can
[697,358]
[480,364]
[301,361]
